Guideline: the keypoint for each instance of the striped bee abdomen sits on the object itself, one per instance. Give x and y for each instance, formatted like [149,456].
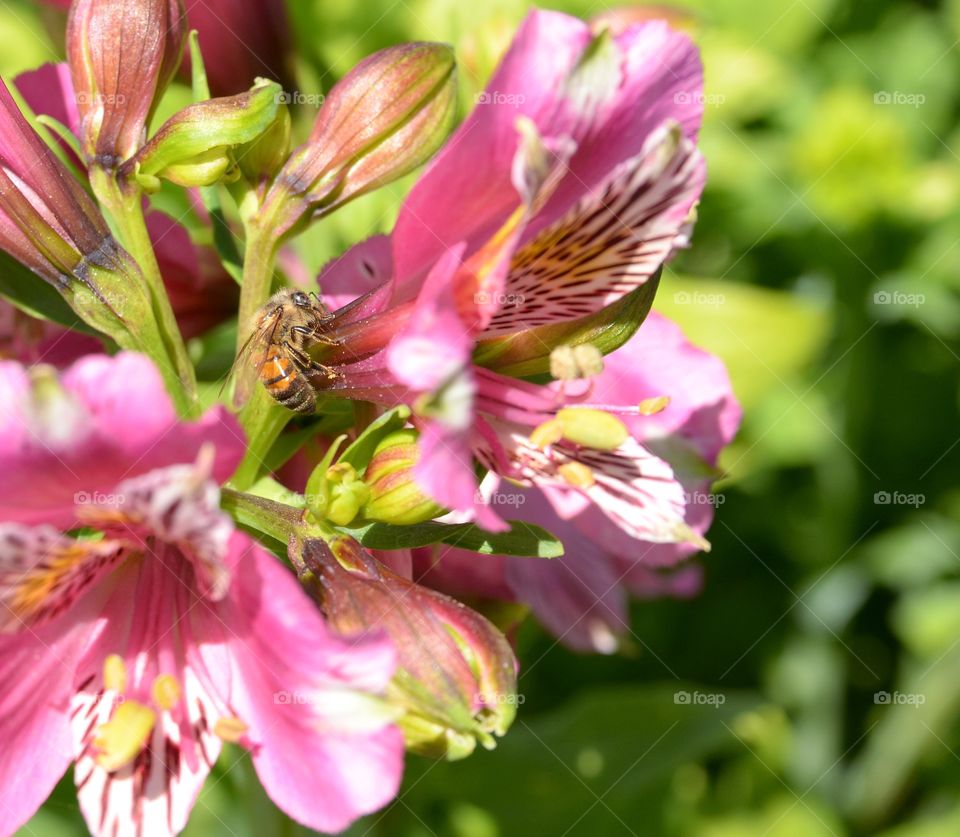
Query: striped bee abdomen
[285,382]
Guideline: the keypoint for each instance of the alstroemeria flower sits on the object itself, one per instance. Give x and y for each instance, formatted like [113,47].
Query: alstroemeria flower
[569,185]
[139,630]
[582,597]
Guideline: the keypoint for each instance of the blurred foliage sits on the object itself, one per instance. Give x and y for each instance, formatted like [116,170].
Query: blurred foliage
[825,271]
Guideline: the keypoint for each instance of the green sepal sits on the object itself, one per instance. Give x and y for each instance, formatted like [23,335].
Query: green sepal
[527,353]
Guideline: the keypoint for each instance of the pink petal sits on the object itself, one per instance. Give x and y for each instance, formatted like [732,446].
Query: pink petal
[434,345]
[460,199]
[660,361]
[35,750]
[48,90]
[288,677]
[610,243]
[362,268]
[114,421]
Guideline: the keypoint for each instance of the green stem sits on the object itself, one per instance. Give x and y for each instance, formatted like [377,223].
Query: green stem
[262,419]
[260,252]
[126,209]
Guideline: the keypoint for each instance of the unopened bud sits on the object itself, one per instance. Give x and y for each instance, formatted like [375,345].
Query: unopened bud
[122,55]
[456,676]
[395,496]
[267,153]
[195,147]
[383,119]
[347,493]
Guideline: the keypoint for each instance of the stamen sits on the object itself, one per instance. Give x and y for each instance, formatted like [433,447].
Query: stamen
[652,406]
[229,728]
[166,692]
[115,674]
[121,739]
[547,434]
[576,474]
[591,428]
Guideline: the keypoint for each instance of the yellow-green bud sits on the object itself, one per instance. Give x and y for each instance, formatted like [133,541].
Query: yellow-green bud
[395,496]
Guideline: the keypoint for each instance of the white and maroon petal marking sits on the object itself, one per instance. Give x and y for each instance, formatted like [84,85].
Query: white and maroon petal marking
[153,792]
[610,243]
[43,573]
[635,489]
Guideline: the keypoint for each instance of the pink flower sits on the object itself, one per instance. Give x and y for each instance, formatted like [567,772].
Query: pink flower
[136,651]
[242,40]
[569,185]
[31,340]
[582,597]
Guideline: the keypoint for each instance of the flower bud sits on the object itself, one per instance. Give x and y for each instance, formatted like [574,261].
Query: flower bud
[456,678]
[395,496]
[267,153]
[386,117]
[122,55]
[195,146]
[347,493]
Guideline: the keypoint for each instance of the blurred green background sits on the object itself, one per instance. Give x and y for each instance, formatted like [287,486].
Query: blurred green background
[822,661]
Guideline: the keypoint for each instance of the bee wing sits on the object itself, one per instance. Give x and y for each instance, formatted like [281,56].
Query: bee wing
[246,368]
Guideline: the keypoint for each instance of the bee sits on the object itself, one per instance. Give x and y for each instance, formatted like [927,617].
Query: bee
[277,351]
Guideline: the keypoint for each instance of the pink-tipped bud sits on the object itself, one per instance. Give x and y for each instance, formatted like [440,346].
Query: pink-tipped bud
[383,119]
[395,496]
[122,55]
[456,679]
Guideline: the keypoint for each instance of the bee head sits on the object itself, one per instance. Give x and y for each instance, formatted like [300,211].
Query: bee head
[300,299]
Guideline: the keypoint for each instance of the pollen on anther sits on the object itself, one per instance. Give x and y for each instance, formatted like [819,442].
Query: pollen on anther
[115,673]
[576,474]
[166,692]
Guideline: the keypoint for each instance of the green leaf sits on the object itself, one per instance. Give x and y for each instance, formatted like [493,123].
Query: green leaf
[523,539]
[527,353]
[620,745]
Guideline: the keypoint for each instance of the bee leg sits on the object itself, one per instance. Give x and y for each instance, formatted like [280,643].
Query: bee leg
[320,369]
